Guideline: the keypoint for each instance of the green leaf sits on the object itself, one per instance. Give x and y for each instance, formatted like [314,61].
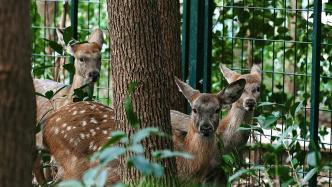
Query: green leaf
[119,184]
[70,183]
[89,176]
[136,148]
[49,94]
[116,136]
[168,153]
[313,158]
[69,67]
[101,178]
[145,167]
[309,175]
[238,174]
[67,35]
[144,133]
[131,116]
[132,87]
[55,46]
[108,154]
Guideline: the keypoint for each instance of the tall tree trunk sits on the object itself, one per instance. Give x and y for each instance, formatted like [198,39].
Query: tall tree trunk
[170,33]
[17,104]
[138,55]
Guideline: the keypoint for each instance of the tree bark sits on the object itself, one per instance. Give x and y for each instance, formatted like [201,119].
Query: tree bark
[17,104]
[137,54]
[171,41]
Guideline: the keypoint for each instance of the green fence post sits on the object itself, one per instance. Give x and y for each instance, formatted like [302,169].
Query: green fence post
[74,22]
[314,109]
[196,43]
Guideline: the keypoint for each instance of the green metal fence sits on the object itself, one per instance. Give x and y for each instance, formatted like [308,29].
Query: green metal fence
[292,42]
[283,35]
[84,16]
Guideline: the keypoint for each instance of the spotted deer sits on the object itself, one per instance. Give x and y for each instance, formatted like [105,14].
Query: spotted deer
[77,130]
[87,68]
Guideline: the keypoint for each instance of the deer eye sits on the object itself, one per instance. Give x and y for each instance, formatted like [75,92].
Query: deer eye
[217,110]
[195,110]
[258,89]
[81,59]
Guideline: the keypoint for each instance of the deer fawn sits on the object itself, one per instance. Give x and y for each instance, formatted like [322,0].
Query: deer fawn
[87,69]
[242,110]
[77,130]
[200,140]
[87,66]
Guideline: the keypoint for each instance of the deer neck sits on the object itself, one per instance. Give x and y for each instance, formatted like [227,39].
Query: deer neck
[201,148]
[79,81]
[237,116]
[233,120]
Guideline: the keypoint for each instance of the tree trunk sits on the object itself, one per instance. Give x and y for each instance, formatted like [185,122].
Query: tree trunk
[137,54]
[170,33]
[17,104]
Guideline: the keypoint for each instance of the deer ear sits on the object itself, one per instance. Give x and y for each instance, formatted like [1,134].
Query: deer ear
[189,93]
[229,75]
[232,92]
[97,37]
[256,69]
[68,48]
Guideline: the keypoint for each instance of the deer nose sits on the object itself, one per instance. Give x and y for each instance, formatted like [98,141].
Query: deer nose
[206,129]
[250,103]
[94,75]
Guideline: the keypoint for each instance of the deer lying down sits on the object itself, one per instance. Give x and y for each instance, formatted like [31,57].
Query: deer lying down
[87,65]
[200,140]
[77,130]
[241,111]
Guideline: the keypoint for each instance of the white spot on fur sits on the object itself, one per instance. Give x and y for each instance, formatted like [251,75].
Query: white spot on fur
[93,120]
[68,128]
[104,131]
[93,107]
[105,116]
[73,159]
[82,136]
[87,135]
[57,119]
[75,112]
[82,111]
[91,145]
[65,136]
[71,140]
[64,125]
[56,131]
[84,123]
[62,131]
[94,148]
[104,120]
[98,128]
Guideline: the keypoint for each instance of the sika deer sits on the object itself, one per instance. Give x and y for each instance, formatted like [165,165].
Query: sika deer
[87,66]
[242,110]
[79,129]
[200,140]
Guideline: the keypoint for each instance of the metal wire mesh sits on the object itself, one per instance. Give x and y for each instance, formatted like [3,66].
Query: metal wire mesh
[46,17]
[278,35]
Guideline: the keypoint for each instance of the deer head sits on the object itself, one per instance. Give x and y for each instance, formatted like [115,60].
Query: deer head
[87,55]
[206,107]
[251,93]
